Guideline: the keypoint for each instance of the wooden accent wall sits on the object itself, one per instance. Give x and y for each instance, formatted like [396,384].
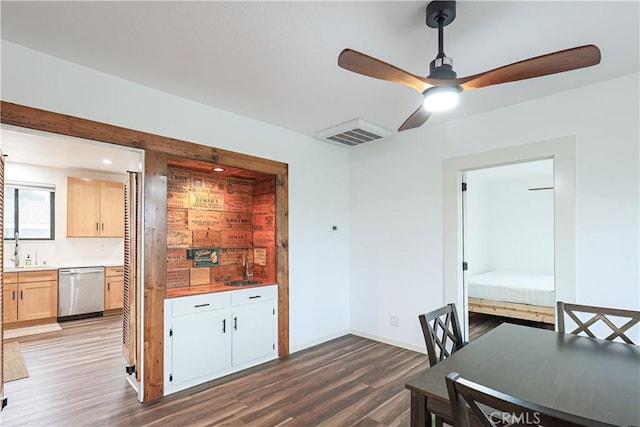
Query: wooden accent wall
[228,217]
[157,148]
[264,229]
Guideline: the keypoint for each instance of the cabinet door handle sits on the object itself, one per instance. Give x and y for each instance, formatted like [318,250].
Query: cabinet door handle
[97,226]
[108,286]
[254,297]
[201,305]
[21,295]
[235,323]
[14,295]
[103,226]
[224,326]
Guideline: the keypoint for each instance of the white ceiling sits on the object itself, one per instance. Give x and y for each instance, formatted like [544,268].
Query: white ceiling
[277,61]
[44,149]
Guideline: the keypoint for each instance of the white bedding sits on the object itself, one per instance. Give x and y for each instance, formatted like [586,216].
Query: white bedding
[536,289]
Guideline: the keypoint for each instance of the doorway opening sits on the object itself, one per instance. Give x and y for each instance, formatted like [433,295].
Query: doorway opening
[90,316]
[507,214]
[562,151]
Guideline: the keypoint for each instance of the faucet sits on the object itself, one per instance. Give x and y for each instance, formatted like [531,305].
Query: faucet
[245,264]
[16,252]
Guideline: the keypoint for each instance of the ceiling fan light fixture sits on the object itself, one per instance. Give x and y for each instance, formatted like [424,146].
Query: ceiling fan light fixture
[441,98]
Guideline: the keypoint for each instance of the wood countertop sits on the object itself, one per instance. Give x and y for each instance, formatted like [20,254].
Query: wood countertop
[184,291]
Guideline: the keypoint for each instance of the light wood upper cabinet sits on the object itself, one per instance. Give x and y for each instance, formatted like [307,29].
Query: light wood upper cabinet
[94,208]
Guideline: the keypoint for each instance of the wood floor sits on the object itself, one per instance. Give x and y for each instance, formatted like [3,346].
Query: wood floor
[77,378]
[480,324]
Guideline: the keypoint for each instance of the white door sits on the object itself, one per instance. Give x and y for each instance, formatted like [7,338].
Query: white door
[253,332]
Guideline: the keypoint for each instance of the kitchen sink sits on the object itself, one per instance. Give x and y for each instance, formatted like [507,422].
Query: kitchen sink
[242,282]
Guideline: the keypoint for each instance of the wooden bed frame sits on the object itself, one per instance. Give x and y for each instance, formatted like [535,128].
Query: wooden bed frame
[536,313]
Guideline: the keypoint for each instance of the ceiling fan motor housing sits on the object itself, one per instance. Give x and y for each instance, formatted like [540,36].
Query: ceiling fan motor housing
[442,68]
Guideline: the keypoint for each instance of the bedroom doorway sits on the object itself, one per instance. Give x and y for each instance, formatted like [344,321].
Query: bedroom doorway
[508,245]
[563,152]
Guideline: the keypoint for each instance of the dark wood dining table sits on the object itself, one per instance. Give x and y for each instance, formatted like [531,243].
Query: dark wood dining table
[592,378]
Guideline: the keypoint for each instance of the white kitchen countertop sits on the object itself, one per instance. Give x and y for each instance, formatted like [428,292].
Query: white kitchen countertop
[30,268]
[57,267]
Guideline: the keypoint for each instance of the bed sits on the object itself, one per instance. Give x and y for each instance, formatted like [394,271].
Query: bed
[515,295]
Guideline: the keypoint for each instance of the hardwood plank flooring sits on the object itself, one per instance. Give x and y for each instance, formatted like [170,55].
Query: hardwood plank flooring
[480,324]
[77,378]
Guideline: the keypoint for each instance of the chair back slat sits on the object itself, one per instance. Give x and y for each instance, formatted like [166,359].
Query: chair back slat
[442,334]
[494,408]
[597,317]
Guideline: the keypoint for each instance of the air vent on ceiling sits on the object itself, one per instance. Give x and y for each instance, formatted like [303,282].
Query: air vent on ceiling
[353,133]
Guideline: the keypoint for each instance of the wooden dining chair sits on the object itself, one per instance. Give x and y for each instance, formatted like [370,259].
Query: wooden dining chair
[598,314]
[494,408]
[442,334]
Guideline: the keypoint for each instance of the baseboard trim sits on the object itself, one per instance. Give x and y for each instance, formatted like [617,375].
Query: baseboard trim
[318,341]
[418,349]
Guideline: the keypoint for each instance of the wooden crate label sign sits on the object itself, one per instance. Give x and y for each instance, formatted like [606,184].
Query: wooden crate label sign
[204,220]
[260,256]
[204,257]
[176,219]
[177,200]
[264,238]
[178,178]
[199,276]
[239,187]
[207,182]
[235,203]
[242,238]
[222,274]
[237,221]
[265,204]
[177,259]
[178,278]
[207,238]
[264,186]
[203,200]
[234,256]
[178,239]
[264,222]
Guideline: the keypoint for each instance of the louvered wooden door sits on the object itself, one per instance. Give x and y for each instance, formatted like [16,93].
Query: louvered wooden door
[131,304]
[3,402]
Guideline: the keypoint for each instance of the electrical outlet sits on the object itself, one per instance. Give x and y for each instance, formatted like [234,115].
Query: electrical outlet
[394,321]
[334,228]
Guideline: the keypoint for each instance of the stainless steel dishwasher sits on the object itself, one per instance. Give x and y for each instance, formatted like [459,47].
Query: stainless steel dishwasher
[80,292]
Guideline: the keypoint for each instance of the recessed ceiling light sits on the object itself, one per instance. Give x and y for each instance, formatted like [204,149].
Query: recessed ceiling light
[106,162]
[218,169]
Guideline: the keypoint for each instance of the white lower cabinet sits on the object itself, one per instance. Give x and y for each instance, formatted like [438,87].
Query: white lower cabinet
[212,335]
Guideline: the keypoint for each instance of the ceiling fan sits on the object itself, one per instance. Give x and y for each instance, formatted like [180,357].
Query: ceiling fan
[442,87]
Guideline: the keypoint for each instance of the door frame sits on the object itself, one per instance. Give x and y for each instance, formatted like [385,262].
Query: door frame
[563,152]
[157,149]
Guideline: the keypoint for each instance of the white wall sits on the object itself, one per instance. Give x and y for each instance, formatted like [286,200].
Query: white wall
[396,219]
[509,227]
[63,251]
[318,172]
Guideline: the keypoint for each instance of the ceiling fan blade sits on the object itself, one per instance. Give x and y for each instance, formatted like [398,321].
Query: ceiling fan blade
[552,63]
[416,119]
[369,66]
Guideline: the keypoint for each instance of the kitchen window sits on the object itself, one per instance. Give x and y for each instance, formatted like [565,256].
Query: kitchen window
[29,209]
